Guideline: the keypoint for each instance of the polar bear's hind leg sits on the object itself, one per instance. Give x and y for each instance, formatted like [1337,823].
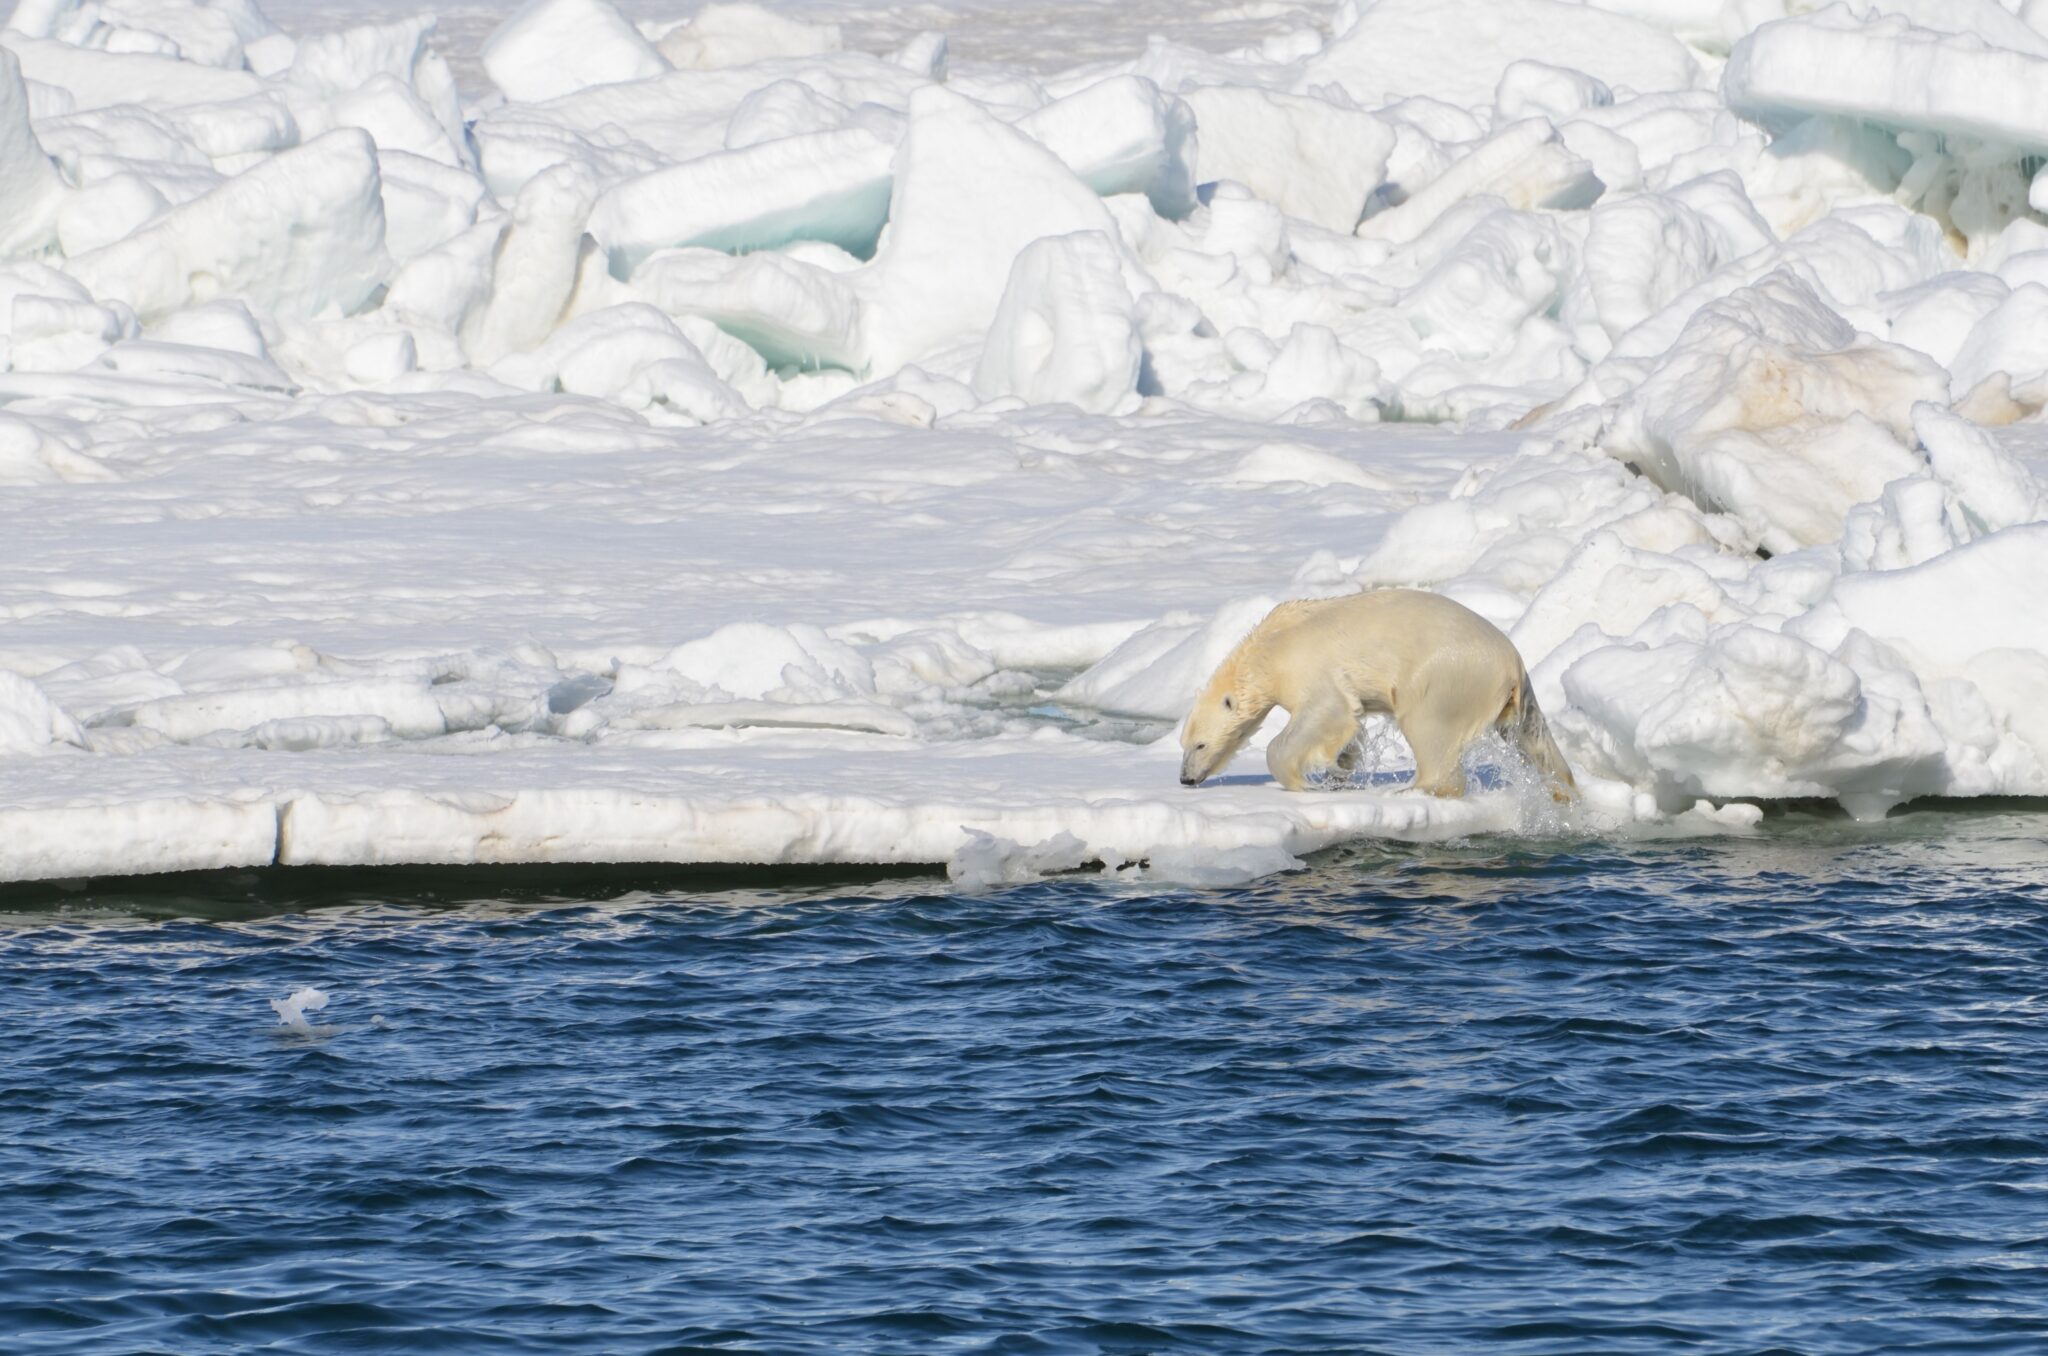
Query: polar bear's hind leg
[1523,721]
[1451,703]
[1437,736]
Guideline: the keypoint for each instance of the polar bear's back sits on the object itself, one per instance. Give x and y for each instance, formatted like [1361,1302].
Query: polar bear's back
[1385,639]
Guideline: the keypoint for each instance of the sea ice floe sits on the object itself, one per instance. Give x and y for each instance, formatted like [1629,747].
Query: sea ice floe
[750,438]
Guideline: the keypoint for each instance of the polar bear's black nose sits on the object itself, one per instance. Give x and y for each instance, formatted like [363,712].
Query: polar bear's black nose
[1186,780]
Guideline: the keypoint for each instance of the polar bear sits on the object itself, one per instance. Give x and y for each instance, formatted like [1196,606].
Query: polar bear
[1445,673]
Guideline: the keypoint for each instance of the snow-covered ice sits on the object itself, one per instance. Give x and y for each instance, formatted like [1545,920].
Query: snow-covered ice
[830,433]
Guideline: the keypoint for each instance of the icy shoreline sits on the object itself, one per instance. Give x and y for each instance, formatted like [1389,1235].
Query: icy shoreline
[844,801]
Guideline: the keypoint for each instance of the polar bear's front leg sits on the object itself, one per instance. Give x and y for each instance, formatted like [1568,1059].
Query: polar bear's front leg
[1315,738]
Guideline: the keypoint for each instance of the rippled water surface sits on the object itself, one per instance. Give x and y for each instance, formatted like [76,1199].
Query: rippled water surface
[1780,1094]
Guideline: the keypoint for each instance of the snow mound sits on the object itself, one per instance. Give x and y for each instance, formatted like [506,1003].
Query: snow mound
[720,35]
[973,191]
[1458,50]
[1312,159]
[29,721]
[1771,408]
[549,48]
[1123,135]
[300,235]
[35,192]
[1065,331]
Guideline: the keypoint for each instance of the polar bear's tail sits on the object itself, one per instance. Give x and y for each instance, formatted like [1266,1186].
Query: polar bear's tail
[1525,718]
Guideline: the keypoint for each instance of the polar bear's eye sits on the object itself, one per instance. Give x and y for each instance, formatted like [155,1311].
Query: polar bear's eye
[1226,704]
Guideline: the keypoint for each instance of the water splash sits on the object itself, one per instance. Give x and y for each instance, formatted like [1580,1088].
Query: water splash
[1380,760]
[1494,764]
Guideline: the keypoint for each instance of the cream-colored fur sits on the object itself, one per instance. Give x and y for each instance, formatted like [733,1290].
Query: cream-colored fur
[1445,674]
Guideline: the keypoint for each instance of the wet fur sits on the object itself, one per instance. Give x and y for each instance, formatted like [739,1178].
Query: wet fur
[1444,673]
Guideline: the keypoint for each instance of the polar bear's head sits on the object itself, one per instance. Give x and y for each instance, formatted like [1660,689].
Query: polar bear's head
[1229,709]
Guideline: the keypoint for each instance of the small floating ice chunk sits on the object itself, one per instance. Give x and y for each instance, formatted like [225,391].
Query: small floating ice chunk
[291,1012]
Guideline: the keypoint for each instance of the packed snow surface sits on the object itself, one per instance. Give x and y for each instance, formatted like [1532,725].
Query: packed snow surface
[801,434]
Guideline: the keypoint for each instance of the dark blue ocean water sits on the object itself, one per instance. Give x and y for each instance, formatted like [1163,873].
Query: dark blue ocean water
[1780,1095]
